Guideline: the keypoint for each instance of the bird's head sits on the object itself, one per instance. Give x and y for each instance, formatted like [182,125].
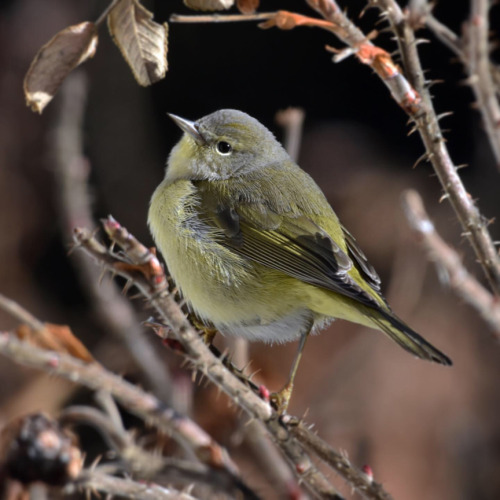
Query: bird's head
[224,144]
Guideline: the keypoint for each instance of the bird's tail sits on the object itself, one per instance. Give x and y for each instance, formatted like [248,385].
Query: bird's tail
[409,340]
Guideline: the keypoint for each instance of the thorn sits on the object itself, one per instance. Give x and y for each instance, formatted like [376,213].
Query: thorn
[127,287]
[187,490]
[444,197]
[422,158]
[224,355]
[73,247]
[421,41]
[444,115]
[246,366]
[431,83]
[101,276]
[363,11]
[252,375]
[412,130]
[95,463]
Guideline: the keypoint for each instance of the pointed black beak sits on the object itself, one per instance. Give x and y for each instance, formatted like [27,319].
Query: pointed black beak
[188,126]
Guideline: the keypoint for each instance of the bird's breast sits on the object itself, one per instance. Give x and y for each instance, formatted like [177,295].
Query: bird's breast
[208,274]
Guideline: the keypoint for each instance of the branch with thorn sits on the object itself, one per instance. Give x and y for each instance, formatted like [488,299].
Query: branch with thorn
[449,266]
[473,50]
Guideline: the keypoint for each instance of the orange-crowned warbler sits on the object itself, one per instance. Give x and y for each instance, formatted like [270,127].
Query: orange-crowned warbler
[254,246]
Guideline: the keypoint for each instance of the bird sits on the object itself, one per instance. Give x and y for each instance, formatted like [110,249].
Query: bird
[254,246]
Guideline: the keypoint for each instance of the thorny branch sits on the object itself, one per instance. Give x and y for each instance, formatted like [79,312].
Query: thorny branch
[151,281]
[340,463]
[449,265]
[138,402]
[473,50]
[427,123]
[151,465]
[95,481]
[143,269]
[145,406]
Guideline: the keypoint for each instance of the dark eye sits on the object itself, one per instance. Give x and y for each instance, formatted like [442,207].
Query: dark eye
[224,148]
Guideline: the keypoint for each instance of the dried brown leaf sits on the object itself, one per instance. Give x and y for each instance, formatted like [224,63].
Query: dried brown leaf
[57,338]
[142,41]
[247,6]
[209,5]
[285,20]
[55,60]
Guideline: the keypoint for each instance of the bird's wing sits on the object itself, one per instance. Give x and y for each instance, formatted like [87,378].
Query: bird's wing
[361,262]
[296,246]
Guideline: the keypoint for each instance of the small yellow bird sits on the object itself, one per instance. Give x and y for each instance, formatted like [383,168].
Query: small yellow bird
[254,246]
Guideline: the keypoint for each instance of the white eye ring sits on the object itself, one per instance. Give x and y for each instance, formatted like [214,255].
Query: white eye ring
[223,148]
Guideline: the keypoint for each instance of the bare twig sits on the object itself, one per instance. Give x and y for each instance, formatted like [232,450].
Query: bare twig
[480,77]
[340,463]
[267,456]
[93,480]
[116,437]
[151,465]
[444,34]
[449,265]
[220,18]
[291,120]
[104,14]
[473,50]
[20,313]
[473,223]
[144,405]
[270,460]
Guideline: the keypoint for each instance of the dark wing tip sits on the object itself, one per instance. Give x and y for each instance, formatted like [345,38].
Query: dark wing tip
[410,340]
[442,359]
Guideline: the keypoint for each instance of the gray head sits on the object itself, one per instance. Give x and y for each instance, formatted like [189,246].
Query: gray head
[224,144]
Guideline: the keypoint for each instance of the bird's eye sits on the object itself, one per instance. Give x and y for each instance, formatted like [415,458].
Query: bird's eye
[224,148]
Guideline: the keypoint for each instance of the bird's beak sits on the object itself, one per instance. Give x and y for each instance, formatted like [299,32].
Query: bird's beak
[188,126]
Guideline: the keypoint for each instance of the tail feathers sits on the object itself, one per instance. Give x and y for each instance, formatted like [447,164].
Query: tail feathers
[409,340]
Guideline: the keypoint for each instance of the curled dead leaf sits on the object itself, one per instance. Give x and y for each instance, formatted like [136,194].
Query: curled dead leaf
[209,5]
[247,6]
[142,41]
[55,60]
[57,338]
[286,20]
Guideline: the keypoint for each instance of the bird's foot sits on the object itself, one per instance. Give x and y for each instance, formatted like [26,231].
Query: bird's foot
[207,333]
[281,399]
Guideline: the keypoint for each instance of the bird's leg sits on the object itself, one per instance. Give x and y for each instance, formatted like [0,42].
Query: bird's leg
[282,398]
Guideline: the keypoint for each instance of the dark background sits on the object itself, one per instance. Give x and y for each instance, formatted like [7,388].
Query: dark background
[427,431]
